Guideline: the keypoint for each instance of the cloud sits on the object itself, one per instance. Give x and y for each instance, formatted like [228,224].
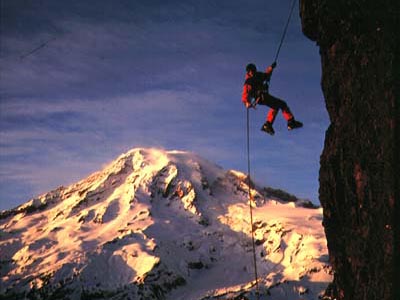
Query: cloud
[129,48]
[41,147]
[117,75]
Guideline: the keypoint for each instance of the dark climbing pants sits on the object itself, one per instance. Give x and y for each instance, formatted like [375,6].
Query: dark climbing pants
[275,105]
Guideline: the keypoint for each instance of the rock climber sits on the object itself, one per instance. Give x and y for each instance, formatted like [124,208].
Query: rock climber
[256,87]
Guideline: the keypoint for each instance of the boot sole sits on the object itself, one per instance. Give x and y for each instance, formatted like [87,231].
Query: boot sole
[291,128]
[269,132]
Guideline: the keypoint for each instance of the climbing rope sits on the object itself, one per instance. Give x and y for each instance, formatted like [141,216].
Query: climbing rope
[250,197]
[250,202]
[285,30]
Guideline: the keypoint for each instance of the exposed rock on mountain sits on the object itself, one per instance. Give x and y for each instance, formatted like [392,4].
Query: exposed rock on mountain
[160,225]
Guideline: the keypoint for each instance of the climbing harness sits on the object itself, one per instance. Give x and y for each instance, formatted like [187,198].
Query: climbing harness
[250,197]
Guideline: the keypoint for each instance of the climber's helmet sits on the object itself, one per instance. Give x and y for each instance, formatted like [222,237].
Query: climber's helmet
[251,67]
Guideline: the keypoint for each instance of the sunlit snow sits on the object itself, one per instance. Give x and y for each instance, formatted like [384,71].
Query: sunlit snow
[157,223]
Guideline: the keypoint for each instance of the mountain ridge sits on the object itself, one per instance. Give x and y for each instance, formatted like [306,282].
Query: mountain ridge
[161,224]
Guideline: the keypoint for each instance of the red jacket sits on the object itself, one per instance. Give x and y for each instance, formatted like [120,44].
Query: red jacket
[255,85]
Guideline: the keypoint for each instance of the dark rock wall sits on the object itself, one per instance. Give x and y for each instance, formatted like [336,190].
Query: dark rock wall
[359,175]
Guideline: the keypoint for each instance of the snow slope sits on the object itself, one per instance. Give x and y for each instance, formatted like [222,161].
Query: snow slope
[157,224]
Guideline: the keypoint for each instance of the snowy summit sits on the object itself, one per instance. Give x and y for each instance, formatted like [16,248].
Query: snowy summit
[157,224]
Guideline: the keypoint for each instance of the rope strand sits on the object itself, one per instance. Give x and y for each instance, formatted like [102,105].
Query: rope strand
[285,30]
[249,163]
[251,208]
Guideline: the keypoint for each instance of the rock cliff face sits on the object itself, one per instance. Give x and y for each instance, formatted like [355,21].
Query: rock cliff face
[359,175]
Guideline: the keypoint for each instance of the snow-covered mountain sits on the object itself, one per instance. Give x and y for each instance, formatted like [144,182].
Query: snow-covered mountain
[159,224]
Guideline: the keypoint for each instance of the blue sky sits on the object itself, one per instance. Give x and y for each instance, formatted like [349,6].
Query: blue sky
[114,75]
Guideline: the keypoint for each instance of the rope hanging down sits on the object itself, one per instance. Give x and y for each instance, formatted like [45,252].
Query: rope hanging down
[250,201]
[250,197]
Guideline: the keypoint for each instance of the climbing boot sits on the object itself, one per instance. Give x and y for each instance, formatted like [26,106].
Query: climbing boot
[292,124]
[267,127]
